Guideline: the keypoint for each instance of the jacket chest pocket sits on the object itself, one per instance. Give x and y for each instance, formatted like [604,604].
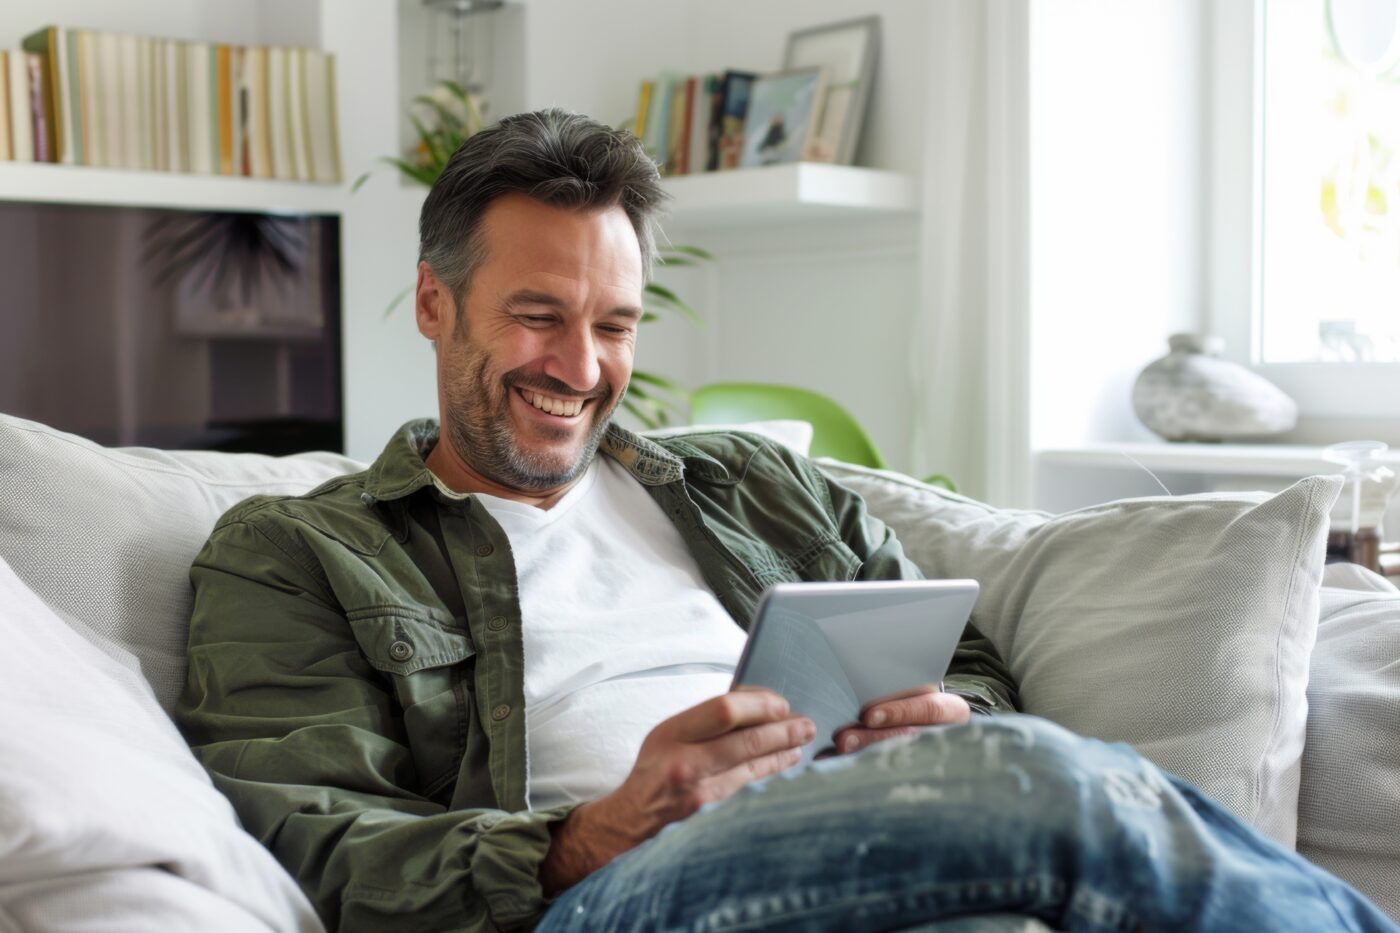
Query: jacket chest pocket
[430,662]
[825,557]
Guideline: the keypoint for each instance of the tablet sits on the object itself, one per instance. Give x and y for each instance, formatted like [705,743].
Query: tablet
[831,648]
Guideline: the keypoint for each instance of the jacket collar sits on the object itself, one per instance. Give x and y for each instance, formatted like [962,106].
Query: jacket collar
[400,470]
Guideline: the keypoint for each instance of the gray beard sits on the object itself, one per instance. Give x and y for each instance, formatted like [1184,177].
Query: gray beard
[479,429]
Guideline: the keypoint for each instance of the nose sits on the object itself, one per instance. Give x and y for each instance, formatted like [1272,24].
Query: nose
[575,360]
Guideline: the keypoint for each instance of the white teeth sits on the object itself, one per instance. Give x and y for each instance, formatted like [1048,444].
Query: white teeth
[554,406]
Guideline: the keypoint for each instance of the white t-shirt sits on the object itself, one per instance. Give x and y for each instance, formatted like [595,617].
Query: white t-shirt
[620,630]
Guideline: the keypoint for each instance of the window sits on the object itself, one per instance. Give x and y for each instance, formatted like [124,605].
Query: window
[1329,226]
[1302,175]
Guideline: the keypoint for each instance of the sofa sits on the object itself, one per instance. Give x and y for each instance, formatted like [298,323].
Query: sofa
[1206,631]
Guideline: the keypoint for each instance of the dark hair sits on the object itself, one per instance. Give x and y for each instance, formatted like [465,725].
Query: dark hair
[558,158]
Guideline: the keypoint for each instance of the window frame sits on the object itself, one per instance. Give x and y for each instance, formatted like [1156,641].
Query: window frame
[1234,240]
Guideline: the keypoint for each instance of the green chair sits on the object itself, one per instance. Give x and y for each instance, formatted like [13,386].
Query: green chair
[835,433]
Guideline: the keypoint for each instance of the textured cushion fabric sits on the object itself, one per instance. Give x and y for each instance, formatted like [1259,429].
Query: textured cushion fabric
[98,791]
[794,435]
[107,535]
[1349,808]
[1180,625]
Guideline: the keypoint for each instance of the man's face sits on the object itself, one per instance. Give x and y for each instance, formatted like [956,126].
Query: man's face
[537,356]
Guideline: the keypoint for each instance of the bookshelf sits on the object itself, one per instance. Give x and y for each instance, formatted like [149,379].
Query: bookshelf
[779,194]
[50,183]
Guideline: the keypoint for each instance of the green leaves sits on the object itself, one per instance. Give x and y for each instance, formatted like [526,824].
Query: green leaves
[649,398]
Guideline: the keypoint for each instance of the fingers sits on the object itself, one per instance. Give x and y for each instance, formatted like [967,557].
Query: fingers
[724,785]
[855,738]
[929,708]
[726,713]
[755,743]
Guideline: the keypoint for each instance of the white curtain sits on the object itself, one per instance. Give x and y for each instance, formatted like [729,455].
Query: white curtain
[971,355]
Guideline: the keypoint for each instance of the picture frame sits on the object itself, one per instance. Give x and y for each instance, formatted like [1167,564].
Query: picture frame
[782,116]
[847,51]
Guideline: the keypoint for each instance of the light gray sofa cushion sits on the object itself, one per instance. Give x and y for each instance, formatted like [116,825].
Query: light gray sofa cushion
[1349,809]
[107,535]
[1182,626]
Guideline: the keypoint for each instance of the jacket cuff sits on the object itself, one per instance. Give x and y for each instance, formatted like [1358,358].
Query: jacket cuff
[506,865]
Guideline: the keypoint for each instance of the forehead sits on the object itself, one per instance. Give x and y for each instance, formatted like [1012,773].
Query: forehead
[523,236]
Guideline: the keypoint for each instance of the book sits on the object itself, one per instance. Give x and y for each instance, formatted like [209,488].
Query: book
[107,147]
[333,117]
[255,80]
[6,153]
[40,107]
[681,152]
[172,104]
[21,123]
[50,45]
[659,118]
[280,132]
[200,118]
[678,122]
[735,110]
[128,93]
[639,125]
[295,89]
[320,111]
[73,96]
[701,104]
[224,104]
[238,103]
[89,107]
[715,128]
[145,94]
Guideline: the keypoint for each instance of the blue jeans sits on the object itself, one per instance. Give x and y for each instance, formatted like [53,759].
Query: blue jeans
[1004,815]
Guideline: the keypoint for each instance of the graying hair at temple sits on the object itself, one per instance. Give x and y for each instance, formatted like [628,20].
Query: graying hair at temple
[558,158]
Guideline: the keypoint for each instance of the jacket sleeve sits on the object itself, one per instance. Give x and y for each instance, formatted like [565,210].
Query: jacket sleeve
[977,673]
[306,739]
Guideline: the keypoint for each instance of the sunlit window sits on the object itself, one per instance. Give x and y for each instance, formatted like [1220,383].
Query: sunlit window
[1330,202]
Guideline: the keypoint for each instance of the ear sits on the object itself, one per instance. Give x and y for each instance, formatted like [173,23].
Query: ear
[432,305]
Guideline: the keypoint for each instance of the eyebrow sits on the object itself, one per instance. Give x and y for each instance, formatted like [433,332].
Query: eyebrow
[528,297]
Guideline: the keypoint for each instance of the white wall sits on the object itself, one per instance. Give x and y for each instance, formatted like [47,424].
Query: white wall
[1117,205]
[829,307]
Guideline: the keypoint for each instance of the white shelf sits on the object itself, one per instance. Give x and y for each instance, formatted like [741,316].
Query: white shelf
[48,183]
[1218,459]
[797,192]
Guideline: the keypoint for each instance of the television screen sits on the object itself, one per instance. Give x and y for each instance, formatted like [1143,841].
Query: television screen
[173,329]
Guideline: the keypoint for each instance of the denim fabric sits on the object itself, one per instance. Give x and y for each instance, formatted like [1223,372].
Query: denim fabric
[1008,814]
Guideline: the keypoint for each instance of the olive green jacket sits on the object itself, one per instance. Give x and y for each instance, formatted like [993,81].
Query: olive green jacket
[355,678]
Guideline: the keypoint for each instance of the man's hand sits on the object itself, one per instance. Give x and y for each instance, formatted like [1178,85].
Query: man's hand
[903,714]
[698,756]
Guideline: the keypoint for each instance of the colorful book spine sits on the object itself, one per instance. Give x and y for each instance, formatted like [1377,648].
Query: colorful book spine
[40,107]
[21,123]
[296,113]
[225,109]
[6,152]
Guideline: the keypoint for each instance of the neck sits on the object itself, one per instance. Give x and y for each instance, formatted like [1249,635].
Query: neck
[459,476]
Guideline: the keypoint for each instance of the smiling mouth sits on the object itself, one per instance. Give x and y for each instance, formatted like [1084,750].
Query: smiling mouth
[553,405]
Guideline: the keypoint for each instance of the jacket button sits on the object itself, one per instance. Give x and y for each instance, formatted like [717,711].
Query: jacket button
[484,550]
[500,712]
[497,623]
[401,651]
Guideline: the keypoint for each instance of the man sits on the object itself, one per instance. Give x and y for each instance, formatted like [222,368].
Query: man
[470,687]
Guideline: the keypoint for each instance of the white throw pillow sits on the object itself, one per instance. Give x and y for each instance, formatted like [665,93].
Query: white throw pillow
[795,435]
[1182,626]
[107,535]
[1349,809]
[106,819]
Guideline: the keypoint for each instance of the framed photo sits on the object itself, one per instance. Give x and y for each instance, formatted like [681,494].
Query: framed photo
[779,125]
[847,52]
